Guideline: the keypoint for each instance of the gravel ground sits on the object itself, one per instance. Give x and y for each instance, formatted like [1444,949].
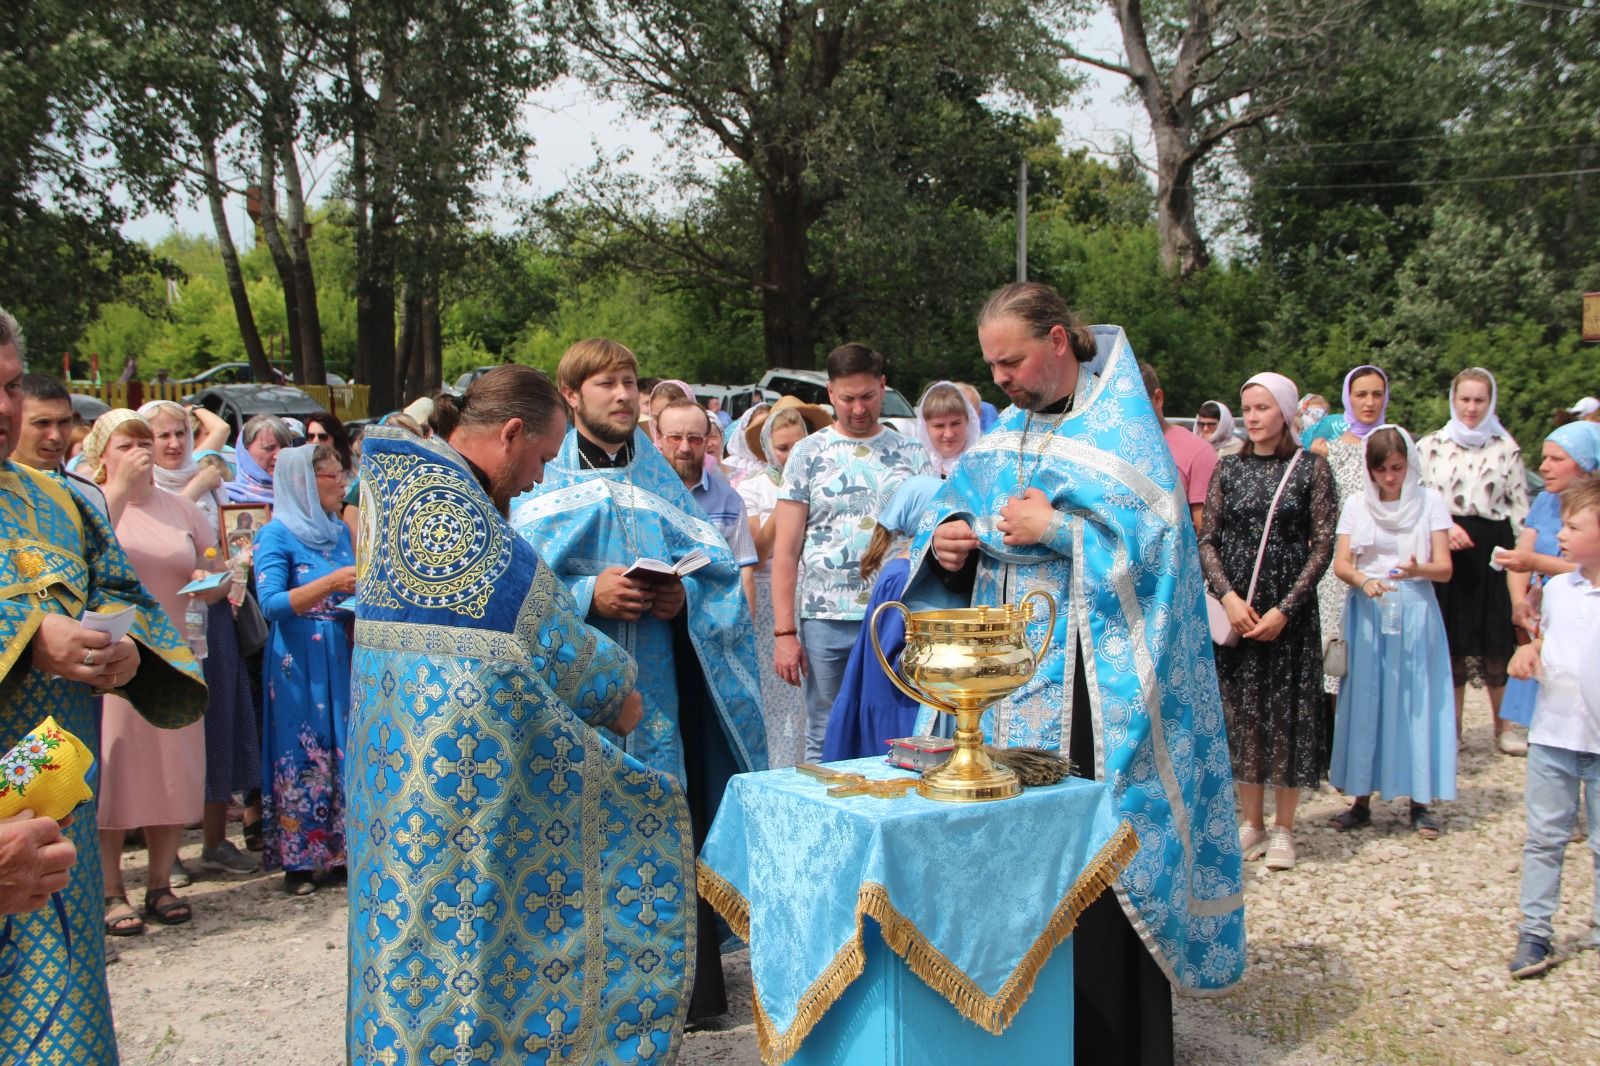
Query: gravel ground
[1380,947]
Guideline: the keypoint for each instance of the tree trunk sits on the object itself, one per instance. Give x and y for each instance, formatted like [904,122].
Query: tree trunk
[273,235]
[373,176]
[406,350]
[424,356]
[787,307]
[259,367]
[310,368]
[1183,249]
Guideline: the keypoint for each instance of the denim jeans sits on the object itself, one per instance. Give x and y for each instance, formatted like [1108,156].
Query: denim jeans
[1552,802]
[828,642]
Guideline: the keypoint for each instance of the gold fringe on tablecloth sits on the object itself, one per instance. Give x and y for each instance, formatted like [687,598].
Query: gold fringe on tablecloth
[992,1013]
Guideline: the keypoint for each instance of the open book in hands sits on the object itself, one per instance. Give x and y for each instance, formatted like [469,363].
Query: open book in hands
[656,572]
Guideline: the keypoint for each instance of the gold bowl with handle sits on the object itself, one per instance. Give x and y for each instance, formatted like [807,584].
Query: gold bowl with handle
[960,661]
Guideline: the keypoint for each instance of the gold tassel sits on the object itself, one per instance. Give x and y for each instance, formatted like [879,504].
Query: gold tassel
[992,1013]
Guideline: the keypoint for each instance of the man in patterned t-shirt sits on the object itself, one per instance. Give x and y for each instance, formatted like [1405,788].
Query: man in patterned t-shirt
[834,485]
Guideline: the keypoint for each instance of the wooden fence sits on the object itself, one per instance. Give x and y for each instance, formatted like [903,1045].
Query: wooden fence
[345,401]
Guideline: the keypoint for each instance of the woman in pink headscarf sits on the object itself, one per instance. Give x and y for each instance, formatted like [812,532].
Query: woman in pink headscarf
[1271,679]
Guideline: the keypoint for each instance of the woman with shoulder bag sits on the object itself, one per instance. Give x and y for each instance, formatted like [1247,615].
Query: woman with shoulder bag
[1266,538]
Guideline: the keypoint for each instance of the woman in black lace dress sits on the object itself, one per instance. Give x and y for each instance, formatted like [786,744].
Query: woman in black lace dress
[1271,680]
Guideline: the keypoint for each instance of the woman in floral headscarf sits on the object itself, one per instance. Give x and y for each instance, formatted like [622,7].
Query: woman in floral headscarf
[1476,465]
[151,779]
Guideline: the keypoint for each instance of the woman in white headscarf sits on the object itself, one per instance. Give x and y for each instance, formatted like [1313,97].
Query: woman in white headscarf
[304,569]
[947,425]
[1271,679]
[1477,467]
[1394,731]
[1214,423]
[233,745]
[742,461]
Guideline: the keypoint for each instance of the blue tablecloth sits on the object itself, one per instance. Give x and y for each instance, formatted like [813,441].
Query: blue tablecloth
[973,896]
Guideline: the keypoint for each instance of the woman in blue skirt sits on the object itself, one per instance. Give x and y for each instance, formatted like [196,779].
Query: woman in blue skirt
[1394,730]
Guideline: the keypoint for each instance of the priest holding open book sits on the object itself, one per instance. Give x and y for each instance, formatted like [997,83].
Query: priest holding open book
[609,504]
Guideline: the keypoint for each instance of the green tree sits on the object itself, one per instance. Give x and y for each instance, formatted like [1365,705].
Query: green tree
[819,104]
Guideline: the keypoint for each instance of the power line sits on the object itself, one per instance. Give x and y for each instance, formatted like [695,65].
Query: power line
[1440,181]
[1570,9]
[1467,156]
[1486,132]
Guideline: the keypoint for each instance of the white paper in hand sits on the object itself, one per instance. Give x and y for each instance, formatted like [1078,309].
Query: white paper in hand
[114,624]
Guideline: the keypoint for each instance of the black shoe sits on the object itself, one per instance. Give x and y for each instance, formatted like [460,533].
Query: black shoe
[298,882]
[1533,957]
[1355,816]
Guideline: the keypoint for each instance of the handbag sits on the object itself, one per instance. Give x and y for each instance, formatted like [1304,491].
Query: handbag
[251,625]
[1336,657]
[1222,631]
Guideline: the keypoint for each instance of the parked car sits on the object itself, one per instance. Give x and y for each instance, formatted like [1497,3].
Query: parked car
[239,374]
[811,386]
[237,404]
[233,374]
[88,408]
[736,399]
[1188,424]
[467,379]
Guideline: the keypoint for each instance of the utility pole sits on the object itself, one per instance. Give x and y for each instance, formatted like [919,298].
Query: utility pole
[1022,220]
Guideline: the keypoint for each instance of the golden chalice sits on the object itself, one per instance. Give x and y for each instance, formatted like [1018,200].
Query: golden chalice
[959,662]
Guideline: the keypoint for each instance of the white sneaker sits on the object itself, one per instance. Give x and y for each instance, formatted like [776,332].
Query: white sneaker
[1512,742]
[1252,842]
[1280,852]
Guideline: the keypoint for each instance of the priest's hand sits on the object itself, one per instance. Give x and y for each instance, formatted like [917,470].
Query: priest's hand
[630,716]
[669,601]
[1270,626]
[789,658]
[1025,518]
[953,541]
[64,647]
[620,597]
[35,860]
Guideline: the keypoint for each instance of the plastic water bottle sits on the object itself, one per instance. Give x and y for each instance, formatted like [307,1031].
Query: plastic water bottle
[194,627]
[1389,613]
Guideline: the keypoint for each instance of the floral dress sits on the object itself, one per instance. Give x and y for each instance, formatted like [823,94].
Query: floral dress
[306,702]
[1348,463]
[1272,690]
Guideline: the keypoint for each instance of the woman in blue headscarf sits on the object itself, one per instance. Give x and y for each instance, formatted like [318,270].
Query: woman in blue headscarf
[304,567]
[869,711]
[1570,455]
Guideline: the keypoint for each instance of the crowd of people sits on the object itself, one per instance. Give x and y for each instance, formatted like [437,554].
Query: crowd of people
[699,586]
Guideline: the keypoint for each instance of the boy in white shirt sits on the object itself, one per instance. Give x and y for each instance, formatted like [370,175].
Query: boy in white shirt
[1564,740]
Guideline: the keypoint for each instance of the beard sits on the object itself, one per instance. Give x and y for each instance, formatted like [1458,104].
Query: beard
[687,468]
[603,430]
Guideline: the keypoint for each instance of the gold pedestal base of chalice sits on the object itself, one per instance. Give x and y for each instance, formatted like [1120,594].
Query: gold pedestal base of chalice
[959,662]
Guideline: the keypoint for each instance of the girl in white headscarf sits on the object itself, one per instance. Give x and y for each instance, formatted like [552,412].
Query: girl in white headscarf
[742,461]
[176,469]
[1476,465]
[1394,730]
[947,425]
[1271,679]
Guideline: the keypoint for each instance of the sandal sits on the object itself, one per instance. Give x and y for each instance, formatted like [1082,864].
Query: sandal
[1355,816]
[165,907]
[252,835]
[1423,823]
[125,923]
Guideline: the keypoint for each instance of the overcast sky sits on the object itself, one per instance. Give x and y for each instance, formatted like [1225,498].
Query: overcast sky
[568,121]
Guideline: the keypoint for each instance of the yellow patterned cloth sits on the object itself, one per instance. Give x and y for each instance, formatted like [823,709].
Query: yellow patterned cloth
[521,891]
[62,558]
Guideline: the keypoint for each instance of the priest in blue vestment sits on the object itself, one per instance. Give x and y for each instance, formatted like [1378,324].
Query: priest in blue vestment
[62,560]
[521,890]
[607,500]
[1074,492]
